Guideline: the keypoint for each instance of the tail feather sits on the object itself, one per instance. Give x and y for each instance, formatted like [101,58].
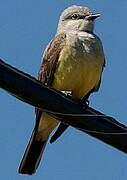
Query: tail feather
[32,156]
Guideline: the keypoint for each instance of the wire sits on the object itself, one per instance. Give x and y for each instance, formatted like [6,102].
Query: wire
[105,133]
[91,115]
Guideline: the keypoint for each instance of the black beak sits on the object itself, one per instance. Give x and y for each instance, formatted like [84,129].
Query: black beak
[92,16]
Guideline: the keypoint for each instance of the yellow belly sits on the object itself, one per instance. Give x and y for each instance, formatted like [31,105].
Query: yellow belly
[77,73]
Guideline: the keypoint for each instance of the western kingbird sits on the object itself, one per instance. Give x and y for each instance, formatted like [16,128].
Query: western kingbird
[72,62]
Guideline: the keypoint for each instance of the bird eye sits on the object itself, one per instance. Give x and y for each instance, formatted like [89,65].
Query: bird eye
[75,16]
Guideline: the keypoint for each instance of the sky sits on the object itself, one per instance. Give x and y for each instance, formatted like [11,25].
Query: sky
[26,27]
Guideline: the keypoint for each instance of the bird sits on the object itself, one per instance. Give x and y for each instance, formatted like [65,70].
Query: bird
[72,63]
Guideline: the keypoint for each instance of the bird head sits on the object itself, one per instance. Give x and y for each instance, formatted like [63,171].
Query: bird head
[77,18]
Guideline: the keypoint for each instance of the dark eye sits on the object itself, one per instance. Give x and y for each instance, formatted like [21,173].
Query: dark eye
[75,16]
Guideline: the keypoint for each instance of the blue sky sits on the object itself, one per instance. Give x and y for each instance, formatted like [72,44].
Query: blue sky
[25,29]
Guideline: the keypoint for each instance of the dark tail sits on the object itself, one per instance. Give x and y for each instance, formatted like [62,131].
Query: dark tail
[32,156]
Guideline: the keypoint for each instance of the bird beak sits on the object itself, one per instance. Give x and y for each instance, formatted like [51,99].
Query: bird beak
[92,16]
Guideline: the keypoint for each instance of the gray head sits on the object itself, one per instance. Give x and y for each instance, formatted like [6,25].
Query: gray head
[77,18]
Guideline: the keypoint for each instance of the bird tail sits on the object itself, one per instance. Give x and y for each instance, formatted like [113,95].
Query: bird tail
[32,155]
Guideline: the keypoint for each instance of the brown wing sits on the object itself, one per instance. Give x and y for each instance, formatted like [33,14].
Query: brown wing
[49,63]
[99,83]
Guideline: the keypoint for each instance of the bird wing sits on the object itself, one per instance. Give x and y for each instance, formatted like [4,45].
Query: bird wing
[48,65]
[99,83]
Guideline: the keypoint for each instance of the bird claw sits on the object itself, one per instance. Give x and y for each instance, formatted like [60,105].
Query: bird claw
[67,93]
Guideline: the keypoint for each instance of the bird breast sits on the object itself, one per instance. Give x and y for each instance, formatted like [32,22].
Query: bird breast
[79,65]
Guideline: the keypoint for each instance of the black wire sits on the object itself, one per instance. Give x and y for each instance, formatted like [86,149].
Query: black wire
[89,115]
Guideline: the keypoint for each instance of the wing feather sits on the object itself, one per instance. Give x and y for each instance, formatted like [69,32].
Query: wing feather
[48,64]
